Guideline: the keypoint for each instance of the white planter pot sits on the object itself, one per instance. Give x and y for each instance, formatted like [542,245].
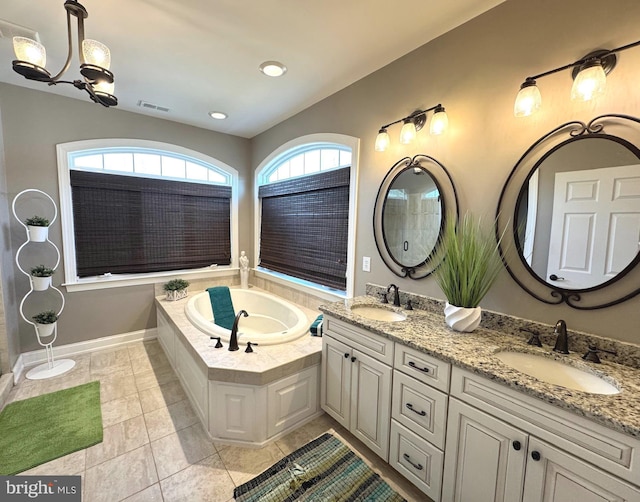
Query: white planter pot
[177,294]
[41,283]
[38,234]
[461,318]
[45,330]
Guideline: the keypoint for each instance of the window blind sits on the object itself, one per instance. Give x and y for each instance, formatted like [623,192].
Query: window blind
[127,224]
[304,228]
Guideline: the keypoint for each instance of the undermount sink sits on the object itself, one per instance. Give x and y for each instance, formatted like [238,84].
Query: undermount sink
[557,373]
[378,314]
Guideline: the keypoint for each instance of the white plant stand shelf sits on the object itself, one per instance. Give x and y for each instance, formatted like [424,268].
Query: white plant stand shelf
[52,367]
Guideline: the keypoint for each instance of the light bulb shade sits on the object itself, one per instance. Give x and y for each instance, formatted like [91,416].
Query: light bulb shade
[528,100]
[30,51]
[96,53]
[589,83]
[104,87]
[382,140]
[439,122]
[408,132]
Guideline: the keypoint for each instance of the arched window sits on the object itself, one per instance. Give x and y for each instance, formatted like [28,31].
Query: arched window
[134,210]
[306,212]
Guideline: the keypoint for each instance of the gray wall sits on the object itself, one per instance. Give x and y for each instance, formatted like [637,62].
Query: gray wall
[475,71]
[33,122]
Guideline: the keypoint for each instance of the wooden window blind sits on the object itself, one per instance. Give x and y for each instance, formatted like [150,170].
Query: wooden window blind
[127,224]
[304,229]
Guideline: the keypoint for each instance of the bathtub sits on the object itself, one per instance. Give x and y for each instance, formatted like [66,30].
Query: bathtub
[271,320]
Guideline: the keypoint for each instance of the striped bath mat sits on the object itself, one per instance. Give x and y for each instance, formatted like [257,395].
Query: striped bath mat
[323,470]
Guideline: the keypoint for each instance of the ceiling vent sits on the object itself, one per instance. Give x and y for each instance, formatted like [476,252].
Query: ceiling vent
[151,106]
[10,30]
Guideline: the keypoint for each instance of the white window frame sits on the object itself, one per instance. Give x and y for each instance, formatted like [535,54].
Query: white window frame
[71,280]
[319,140]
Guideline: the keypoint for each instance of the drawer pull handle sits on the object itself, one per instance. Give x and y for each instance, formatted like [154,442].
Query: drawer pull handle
[421,413]
[418,467]
[413,365]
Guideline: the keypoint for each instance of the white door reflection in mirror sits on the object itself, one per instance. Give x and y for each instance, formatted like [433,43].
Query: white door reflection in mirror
[595,226]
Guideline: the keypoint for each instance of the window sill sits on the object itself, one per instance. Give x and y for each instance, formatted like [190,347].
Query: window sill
[123,280]
[308,287]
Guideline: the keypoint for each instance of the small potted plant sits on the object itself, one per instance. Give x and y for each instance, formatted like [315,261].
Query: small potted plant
[45,322]
[176,289]
[41,277]
[470,265]
[38,228]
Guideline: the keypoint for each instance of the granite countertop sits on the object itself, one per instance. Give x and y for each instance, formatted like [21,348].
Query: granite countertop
[426,331]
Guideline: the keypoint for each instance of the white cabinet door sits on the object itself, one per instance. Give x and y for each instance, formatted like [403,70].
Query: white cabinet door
[484,457]
[336,380]
[370,402]
[555,476]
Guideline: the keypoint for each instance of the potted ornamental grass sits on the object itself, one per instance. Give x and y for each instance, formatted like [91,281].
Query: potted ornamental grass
[470,266]
[38,228]
[41,277]
[176,289]
[46,322]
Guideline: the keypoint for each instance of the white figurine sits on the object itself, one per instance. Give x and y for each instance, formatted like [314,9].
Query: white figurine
[244,270]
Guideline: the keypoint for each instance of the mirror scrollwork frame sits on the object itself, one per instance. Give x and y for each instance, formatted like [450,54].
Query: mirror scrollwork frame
[440,189]
[564,145]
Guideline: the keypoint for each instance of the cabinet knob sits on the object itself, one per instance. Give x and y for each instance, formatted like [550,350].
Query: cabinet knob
[415,366]
[421,413]
[535,455]
[516,445]
[346,355]
[353,359]
[418,467]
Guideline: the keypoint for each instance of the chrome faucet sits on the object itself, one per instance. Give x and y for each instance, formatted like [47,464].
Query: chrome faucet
[233,341]
[562,340]
[396,294]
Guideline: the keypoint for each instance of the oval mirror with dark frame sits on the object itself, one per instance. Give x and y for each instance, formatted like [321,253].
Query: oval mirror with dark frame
[413,202]
[571,208]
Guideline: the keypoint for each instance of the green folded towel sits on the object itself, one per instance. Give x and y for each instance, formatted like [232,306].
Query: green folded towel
[316,326]
[222,306]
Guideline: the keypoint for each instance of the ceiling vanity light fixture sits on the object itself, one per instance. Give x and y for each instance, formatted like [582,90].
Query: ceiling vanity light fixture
[273,68]
[412,124]
[218,115]
[95,59]
[589,79]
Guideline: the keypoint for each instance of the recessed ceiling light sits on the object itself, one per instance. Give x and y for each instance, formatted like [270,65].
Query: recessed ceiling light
[218,115]
[273,68]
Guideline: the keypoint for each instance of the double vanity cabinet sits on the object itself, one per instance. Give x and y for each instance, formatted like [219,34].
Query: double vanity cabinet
[459,436]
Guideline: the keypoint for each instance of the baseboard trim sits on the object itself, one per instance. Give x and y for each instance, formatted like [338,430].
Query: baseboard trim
[35,357]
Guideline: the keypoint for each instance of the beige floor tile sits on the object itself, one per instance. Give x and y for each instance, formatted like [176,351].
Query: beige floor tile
[109,361]
[156,363]
[118,439]
[161,397]
[151,494]
[64,466]
[206,481]
[120,477]
[306,433]
[173,418]
[244,464]
[144,349]
[155,378]
[117,385]
[120,409]
[178,451]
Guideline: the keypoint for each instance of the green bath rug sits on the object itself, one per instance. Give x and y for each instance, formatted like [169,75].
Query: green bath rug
[43,428]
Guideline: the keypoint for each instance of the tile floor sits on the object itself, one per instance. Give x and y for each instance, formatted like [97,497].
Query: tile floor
[154,447]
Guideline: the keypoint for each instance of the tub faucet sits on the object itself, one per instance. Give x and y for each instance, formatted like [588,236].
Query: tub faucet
[396,294]
[233,341]
[562,340]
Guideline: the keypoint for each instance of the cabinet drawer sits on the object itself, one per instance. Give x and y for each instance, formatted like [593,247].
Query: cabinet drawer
[360,339]
[416,459]
[425,368]
[617,453]
[420,408]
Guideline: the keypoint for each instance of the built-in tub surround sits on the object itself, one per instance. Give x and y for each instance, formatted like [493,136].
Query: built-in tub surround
[271,320]
[425,330]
